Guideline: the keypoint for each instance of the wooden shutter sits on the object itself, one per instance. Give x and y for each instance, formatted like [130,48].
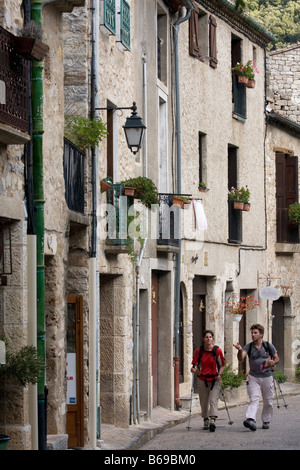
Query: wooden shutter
[194,33]
[213,42]
[286,194]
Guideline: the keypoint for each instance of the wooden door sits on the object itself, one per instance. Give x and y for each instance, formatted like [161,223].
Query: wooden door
[154,331]
[75,405]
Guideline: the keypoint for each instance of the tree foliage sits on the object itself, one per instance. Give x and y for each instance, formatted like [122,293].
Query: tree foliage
[280,17]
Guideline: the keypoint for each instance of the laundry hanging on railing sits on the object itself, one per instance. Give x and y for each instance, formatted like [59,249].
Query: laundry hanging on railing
[199,215]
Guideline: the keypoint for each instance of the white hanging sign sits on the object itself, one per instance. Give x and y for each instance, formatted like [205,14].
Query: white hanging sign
[269,293]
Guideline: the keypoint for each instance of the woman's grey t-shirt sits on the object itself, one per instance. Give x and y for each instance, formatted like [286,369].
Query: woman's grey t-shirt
[257,357]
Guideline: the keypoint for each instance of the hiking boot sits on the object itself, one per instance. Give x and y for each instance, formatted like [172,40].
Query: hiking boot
[212,425]
[250,423]
[266,425]
[206,424]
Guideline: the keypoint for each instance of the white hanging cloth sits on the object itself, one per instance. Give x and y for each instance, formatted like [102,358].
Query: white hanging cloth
[200,218]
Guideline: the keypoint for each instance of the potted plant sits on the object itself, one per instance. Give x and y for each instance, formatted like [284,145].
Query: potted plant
[246,73]
[235,195]
[144,189]
[180,201]
[105,184]
[238,306]
[29,42]
[202,186]
[251,70]
[84,133]
[239,70]
[294,212]
[22,368]
[245,197]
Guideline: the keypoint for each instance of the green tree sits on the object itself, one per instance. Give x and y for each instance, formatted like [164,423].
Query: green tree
[280,17]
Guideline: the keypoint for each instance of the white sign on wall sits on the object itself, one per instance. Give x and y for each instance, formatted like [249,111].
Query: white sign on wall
[71,379]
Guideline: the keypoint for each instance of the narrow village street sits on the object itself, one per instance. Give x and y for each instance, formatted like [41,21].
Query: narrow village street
[283,433]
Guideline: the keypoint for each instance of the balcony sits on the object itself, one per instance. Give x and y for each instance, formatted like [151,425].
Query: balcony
[168,224]
[117,219]
[13,92]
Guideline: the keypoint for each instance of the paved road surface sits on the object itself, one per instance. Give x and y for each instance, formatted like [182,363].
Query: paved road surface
[284,432]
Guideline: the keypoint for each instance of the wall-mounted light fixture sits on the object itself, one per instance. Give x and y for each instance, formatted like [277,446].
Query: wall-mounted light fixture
[134,128]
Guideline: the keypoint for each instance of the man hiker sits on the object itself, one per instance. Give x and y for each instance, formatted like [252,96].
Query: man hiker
[262,358]
[209,361]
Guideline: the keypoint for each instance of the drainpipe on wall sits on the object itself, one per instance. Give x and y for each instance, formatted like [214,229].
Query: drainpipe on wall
[180,20]
[37,142]
[94,416]
[31,255]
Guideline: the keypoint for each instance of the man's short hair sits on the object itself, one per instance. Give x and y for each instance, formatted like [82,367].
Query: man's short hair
[259,327]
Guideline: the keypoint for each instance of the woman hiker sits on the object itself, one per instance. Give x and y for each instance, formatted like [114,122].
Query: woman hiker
[210,363]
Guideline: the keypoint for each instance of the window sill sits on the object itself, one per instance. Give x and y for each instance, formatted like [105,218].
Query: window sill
[287,248]
[239,118]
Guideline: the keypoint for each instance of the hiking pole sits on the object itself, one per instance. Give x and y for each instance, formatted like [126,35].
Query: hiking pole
[285,405]
[275,388]
[191,400]
[223,394]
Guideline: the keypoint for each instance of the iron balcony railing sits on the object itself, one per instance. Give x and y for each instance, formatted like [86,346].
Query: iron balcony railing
[14,81]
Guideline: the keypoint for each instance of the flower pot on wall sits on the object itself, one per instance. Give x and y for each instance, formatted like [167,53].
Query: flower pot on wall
[243,79]
[238,205]
[251,84]
[129,191]
[246,206]
[31,48]
[104,185]
[237,318]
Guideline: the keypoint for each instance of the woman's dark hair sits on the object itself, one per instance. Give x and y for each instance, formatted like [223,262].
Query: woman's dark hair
[208,331]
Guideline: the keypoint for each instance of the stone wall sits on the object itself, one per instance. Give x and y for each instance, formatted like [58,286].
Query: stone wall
[284,81]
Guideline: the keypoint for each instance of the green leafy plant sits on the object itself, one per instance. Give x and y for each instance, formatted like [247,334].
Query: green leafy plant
[248,70]
[85,133]
[202,185]
[235,194]
[294,212]
[241,195]
[145,189]
[23,367]
[245,194]
[231,378]
[279,375]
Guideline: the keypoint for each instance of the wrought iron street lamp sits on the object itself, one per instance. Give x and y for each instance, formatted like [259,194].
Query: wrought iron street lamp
[134,128]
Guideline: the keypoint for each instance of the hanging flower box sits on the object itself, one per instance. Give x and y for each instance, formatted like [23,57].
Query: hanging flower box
[130,191]
[238,205]
[243,79]
[251,84]
[31,48]
[246,206]
[180,201]
[105,184]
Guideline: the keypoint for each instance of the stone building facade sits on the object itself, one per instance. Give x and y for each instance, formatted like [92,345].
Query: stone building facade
[127,330]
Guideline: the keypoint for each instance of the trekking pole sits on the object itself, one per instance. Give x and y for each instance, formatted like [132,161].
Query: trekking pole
[223,394]
[275,388]
[191,400]
[285,405]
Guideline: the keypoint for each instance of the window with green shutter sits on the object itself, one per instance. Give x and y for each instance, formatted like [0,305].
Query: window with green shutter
[108,15]
[123,25]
